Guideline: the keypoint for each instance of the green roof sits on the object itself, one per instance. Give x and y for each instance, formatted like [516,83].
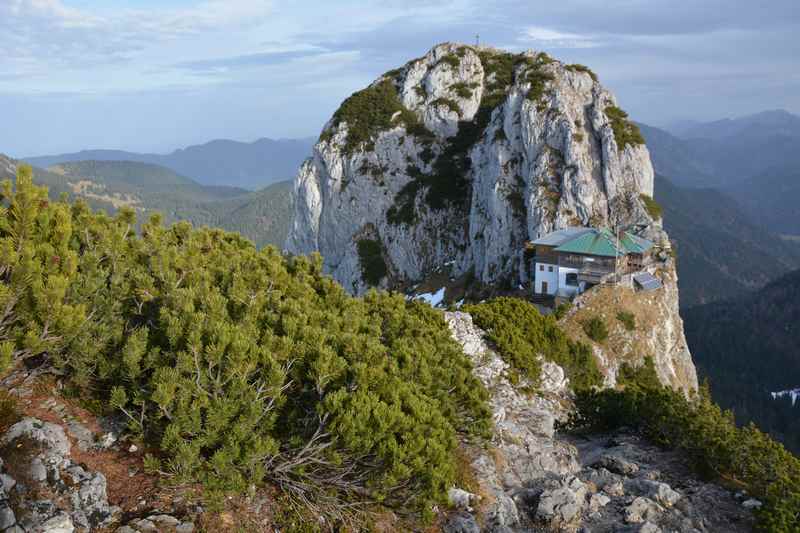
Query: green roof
[602,243]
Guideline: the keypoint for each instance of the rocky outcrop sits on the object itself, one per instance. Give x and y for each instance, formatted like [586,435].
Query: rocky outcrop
[533,478]
[657,333]
[43,489]
[467,153]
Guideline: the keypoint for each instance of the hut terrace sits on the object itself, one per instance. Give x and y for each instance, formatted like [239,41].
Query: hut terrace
[568,261]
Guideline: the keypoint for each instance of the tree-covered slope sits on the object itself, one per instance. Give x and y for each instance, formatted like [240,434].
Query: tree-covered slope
[261,216]
[747,347]
[722,253]
[773,198]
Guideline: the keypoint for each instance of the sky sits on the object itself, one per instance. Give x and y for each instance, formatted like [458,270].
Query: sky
[155,75]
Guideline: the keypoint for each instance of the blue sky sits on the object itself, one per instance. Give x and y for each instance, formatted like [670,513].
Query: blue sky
[155,75]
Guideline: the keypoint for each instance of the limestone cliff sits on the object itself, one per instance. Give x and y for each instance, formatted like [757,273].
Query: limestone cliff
[656,330]
[459,158]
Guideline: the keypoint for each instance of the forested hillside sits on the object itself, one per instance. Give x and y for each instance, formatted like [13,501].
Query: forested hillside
[261,216]
[773,198]
[748,348]
[722,253]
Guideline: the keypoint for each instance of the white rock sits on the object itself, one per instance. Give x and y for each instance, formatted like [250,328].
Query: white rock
[61,523]
[461,499]
[598,501]
[752,503]
[641,510]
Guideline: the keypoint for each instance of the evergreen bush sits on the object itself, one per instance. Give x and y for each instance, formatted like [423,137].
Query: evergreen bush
[653,208]
[373,266]
[708,436]
[625,132]
[370,111]
[239,366]
[595,329]
[576,67]
[628,320]
[523,335]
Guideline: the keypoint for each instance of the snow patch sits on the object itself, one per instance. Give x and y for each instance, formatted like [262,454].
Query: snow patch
[434,299]
[794,394]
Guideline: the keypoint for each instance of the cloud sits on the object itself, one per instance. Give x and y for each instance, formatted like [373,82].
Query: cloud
[260,59]
[48,33]
[549,38]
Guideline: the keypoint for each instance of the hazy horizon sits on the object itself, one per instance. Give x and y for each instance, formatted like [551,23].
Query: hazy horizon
[154,76]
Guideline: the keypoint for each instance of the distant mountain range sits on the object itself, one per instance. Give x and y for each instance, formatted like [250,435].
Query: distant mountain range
[220,162]
[763,124]
[262,216]
[724,153]
[753,159]
[722,252]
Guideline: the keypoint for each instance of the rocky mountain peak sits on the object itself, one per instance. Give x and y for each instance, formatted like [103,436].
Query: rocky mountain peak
[461,156]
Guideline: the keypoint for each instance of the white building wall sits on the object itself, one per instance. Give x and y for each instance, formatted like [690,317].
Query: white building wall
[562,281]
[545,272]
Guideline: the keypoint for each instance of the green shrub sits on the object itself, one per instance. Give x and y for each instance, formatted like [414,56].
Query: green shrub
[710,439]
[37,266]
[537,76]
[454,60]
[628,320]
[575,67]
[240,366]
[522,335]
[9,414]
[517,201]
[370,111]
[448,103]
[370,255]
[625,132]
[561,310]
[463,89]
[393,74]
[595,329]
[653,208]
[644,375]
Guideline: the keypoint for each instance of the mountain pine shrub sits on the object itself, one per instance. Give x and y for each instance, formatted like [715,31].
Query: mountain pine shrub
[576,67]
[238,366]
[595,329]
[716,447]
[523,336]
[653,208]
[370,255]
[371,110]
[628,320]
[625,132]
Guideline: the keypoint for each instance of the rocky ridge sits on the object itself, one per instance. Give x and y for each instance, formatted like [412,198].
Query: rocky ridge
[533,478]
[460,157]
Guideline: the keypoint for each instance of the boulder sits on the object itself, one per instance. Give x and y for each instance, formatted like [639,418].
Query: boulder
[655,490]
[562,504]
[641,510]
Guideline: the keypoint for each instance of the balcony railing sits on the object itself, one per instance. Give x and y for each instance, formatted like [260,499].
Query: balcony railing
[593,266]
